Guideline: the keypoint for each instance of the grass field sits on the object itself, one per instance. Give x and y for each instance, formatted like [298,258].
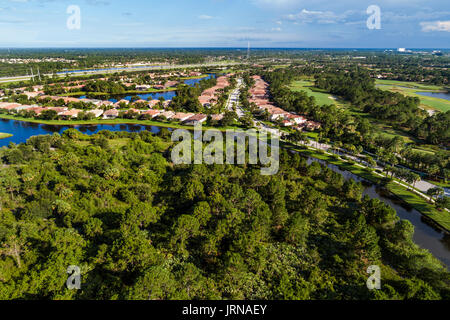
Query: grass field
[5,135]
[322,98]
[411,89]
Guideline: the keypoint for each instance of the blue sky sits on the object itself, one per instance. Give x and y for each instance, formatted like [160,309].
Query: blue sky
[225,23]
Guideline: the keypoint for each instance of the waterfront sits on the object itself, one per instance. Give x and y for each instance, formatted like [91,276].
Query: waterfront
[426,236]
[167,95]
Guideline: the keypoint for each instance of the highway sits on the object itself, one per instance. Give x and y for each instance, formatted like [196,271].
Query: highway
[123,69]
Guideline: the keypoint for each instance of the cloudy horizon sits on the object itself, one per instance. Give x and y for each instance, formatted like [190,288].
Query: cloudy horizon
[225,23]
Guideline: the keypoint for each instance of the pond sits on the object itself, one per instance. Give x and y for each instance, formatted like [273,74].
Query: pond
[425,235]
[439,95]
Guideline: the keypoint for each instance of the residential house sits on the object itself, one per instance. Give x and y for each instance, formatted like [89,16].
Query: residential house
[195,119]
[296,118]
[152,103]
[153,113]
[167,114]
[69,114]
[97,112]
[37,110]
[143,87]
[216,117]
[9,105]
[110,114]
[181,116]
[58,110]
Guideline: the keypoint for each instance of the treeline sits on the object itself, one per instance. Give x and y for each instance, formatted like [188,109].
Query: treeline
[403,112]
[141,228]
[339,126]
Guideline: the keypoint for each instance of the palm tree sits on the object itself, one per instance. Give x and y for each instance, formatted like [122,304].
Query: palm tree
[412,178]
[435,192]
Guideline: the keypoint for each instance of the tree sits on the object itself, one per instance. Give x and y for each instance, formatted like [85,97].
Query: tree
[370,162]
[48,115]
[443,203]
[228,118]
[435,192]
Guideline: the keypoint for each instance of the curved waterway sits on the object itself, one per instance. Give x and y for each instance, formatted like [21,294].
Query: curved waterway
[425,235]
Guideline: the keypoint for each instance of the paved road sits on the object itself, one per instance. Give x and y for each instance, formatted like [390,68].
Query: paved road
[233,98]
[130,69]
[420,185]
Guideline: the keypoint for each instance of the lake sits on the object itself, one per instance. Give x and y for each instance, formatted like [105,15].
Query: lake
[22,131]
[425,235]
[167,95]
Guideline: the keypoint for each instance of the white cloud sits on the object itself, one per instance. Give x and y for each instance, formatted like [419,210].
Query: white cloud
[435,26]
[205,17]
[322,17]
[277,3]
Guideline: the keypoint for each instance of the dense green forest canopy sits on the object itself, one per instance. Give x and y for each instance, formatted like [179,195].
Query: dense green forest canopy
[142,228]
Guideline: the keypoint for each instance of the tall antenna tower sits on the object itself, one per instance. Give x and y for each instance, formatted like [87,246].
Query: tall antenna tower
[248,51]
[39,74]
[32,75]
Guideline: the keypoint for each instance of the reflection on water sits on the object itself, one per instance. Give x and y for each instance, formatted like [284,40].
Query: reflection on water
[426,235]
[22,131]
[440,95]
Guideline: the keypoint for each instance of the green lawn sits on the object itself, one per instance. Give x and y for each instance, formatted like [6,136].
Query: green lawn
[322,98]
[412,85]
[5,135]
[420,204]
[427,103]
